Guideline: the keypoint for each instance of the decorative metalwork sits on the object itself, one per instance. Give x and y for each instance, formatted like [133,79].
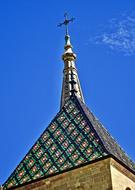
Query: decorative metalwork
[66,22]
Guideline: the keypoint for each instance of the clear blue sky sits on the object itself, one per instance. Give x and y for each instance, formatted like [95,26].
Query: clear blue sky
[31,46]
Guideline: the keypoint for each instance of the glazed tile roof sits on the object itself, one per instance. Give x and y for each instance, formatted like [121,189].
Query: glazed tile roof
[74,137]
[110,144]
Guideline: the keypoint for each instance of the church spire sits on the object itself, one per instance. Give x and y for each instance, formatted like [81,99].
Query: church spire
[71,84]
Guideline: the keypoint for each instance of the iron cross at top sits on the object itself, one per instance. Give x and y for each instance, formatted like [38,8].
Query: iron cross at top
[66,22]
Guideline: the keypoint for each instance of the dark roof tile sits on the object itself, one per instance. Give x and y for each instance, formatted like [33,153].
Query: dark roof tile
[74,137]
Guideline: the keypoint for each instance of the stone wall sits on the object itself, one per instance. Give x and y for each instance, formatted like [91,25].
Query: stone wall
[121,177]
[105,174]
[95,176]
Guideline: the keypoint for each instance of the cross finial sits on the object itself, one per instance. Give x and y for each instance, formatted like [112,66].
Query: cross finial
[66,22]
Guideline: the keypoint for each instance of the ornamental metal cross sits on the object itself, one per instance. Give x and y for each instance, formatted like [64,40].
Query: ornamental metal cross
[66,22]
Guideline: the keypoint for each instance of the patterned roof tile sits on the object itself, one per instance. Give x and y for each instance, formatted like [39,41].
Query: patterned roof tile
[74,137]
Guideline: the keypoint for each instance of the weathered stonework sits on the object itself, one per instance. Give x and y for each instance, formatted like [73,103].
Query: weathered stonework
[121,177]
[105,174]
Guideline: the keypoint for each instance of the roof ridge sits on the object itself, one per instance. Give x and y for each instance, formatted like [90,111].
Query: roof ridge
[88,114]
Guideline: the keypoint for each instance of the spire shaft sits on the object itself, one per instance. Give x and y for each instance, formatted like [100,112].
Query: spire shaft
[71,83]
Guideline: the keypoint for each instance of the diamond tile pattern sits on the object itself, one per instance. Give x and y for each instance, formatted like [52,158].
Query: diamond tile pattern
[67,142]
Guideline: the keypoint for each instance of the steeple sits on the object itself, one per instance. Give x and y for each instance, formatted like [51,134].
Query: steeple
[71,83]
[74,144]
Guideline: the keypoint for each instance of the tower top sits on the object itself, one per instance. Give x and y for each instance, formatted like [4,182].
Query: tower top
[74,138]
[66,22]
[71,84]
